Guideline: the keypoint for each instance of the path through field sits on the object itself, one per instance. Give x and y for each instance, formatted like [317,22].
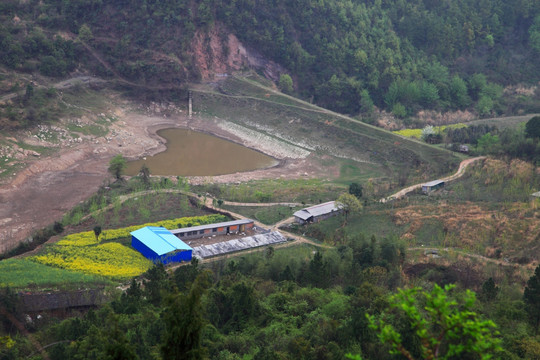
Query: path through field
[459,173]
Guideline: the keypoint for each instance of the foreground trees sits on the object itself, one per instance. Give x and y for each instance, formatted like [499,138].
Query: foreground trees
[294,304]
[184,322]
[445,327]
[531,297]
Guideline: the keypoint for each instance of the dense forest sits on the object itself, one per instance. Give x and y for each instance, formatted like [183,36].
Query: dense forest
[348,56]
[295,304]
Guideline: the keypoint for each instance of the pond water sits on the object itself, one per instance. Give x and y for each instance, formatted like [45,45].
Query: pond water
[191,153]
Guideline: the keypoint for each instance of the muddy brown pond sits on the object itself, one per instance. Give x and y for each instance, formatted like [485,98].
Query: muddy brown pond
[191,153]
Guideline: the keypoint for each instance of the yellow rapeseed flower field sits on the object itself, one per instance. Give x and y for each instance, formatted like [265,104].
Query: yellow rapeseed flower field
[417,133]
[110,259]
[87,238]
[83,252]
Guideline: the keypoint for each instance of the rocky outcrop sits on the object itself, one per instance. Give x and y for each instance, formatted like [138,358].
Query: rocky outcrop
[217,53]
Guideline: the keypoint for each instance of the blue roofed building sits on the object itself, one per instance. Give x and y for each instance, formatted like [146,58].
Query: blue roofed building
[160,245]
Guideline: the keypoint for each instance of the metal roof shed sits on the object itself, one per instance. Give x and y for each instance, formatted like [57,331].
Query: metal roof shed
[432,185]
[317,212]
[160,245]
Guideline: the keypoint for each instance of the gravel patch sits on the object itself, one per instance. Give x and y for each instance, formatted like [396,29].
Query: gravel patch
[267,144]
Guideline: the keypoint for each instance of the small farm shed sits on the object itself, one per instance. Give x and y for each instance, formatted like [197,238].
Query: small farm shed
[317,213]
[432,185]
[160,245]
[223,228]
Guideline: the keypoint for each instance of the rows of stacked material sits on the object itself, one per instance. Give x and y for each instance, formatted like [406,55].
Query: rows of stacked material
[230,246]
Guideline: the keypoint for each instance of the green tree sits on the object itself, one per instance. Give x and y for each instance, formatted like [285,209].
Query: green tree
[488,143]
[97,231]
[349,204]
[184,322]
[286,83]
[484,106]
[399,110]
[117,165]
[531,297]
[356,190]
[429,94]
[156,283]
[85,34]
[477,83]
[144,173]
[29,93]
[6,342]
[489,290]
[445,328]
[318,271]
[458,93]
[534,34]
[184,276]
[366,103]
[117,347]
[532,127]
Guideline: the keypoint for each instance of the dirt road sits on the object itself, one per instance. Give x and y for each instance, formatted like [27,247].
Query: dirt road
[66,84]
[459,173]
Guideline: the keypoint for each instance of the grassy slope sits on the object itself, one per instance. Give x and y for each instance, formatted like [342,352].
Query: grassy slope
[19,273]
[504,122]
[488,212]
[381,153]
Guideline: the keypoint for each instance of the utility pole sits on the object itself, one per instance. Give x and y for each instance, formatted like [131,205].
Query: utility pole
[190,101]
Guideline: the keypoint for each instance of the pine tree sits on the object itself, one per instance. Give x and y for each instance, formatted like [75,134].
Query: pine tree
[531,297]
[184,321]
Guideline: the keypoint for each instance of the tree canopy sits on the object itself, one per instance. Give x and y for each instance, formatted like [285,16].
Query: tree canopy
[445,328]
[532,127]
[117,165]
[531,297]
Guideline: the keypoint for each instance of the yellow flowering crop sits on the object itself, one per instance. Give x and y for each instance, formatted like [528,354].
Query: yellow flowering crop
[82,252]
[110,259]
[87,238]
[417,133]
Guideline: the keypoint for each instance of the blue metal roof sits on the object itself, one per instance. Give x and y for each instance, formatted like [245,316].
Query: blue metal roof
[159,240]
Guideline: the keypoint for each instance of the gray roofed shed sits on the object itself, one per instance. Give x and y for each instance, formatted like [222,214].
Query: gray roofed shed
[432,185]
[317,212]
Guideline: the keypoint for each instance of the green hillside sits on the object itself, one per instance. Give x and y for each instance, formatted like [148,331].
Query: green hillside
[346,55]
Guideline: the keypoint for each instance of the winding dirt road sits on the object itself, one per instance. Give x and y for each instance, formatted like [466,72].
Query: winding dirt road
[459,173]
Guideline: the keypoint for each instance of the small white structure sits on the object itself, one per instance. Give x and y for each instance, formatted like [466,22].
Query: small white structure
[317,213]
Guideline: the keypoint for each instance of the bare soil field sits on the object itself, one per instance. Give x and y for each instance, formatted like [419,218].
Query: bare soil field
[49,186]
